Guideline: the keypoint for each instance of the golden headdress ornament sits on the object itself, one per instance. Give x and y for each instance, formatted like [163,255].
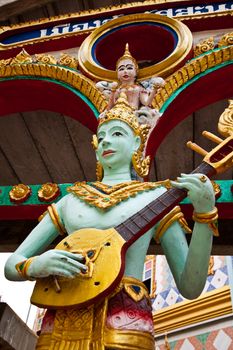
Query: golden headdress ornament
[124,112]
[127,55]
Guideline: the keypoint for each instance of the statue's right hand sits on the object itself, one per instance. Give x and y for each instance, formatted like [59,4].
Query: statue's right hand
[58,263]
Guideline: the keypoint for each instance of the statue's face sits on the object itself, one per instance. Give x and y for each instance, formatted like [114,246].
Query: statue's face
[116,144]
[126,71]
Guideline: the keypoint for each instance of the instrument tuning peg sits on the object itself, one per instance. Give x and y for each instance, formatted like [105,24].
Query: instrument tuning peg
[193,146]
[212,137]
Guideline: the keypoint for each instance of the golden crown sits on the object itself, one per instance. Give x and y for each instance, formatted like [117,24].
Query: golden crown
[127,55]
[124,112]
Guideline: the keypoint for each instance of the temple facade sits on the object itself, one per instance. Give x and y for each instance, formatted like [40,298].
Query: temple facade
[50,104]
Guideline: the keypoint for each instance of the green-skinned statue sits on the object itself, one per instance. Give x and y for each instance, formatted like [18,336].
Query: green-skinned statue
[106,306]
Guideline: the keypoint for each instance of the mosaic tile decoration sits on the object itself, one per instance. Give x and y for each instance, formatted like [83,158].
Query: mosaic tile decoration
[167,294]
[221,339]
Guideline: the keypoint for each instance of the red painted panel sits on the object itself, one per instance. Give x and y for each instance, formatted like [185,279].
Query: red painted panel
[21,95]
[149,45]
[208,89]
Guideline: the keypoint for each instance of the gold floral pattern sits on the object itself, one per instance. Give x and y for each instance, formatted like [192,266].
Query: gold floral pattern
[68,61]
[204,46]
[19,193]
[226,39]
[48,192]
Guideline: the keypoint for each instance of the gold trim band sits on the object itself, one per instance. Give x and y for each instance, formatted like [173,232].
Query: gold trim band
[23,266]
[174,215]
[208,306]
[209,218]
[53,213]
[128,340]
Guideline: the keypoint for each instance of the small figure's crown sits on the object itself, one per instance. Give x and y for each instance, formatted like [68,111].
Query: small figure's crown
[127,55]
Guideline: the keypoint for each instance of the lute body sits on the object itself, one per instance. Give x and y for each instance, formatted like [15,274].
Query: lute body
[102,250]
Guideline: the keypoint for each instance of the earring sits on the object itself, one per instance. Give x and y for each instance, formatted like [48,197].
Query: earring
[94,142]
[140,164]
[99,171]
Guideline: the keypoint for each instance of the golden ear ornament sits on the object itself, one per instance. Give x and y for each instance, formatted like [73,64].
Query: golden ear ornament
[95,142]
[127,55]
[140,164]
[99,171]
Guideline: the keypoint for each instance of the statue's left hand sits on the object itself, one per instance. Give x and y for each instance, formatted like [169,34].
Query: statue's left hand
[200,191]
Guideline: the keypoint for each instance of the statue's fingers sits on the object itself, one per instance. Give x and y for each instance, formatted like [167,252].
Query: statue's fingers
[68,268]
[193,180]
[198,176]
[63,253]
[77,264]
[63,273]
[183,185]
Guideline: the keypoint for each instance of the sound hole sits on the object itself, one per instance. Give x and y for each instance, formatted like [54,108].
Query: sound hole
[107,244]
[90,254]
[46,290]
[97,283]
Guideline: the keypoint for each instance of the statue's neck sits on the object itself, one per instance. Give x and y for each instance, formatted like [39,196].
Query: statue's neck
[113,178]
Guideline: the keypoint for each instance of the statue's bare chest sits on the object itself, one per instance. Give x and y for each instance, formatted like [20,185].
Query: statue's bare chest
[78,214]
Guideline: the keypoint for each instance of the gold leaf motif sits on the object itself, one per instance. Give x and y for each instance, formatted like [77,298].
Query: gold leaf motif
[49,59]
[68,61]
[4,63]
[204,46]
[22,57]
[225,123]
[226,40]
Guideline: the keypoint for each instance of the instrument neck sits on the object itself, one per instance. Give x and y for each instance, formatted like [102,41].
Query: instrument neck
[135,226]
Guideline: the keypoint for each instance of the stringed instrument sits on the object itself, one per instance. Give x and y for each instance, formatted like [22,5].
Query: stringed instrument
[103,247]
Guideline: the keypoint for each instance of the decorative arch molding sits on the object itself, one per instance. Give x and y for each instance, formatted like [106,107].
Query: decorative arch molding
[33,86]
[202,81]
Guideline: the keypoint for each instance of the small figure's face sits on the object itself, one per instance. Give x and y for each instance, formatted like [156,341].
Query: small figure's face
[126,71]
[116,144]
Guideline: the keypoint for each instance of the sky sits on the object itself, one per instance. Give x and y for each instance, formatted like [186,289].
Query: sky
[17,294]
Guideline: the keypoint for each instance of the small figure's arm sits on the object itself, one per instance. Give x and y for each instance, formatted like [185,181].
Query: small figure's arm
[189,264]
[146,97]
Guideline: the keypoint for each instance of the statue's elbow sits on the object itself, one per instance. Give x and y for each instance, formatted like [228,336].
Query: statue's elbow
[191,293]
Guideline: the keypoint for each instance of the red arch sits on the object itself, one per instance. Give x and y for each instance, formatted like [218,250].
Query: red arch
[210,88]
[21,95]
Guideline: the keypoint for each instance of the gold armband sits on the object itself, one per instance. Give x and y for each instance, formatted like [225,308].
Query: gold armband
[53,213]
[22,268]
[209,218]
[174,215]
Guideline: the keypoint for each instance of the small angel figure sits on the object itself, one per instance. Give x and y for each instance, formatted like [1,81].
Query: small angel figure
[139,95]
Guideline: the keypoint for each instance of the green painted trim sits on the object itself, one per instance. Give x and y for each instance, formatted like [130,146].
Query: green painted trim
[72,89]
[225,185]
[190,82]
